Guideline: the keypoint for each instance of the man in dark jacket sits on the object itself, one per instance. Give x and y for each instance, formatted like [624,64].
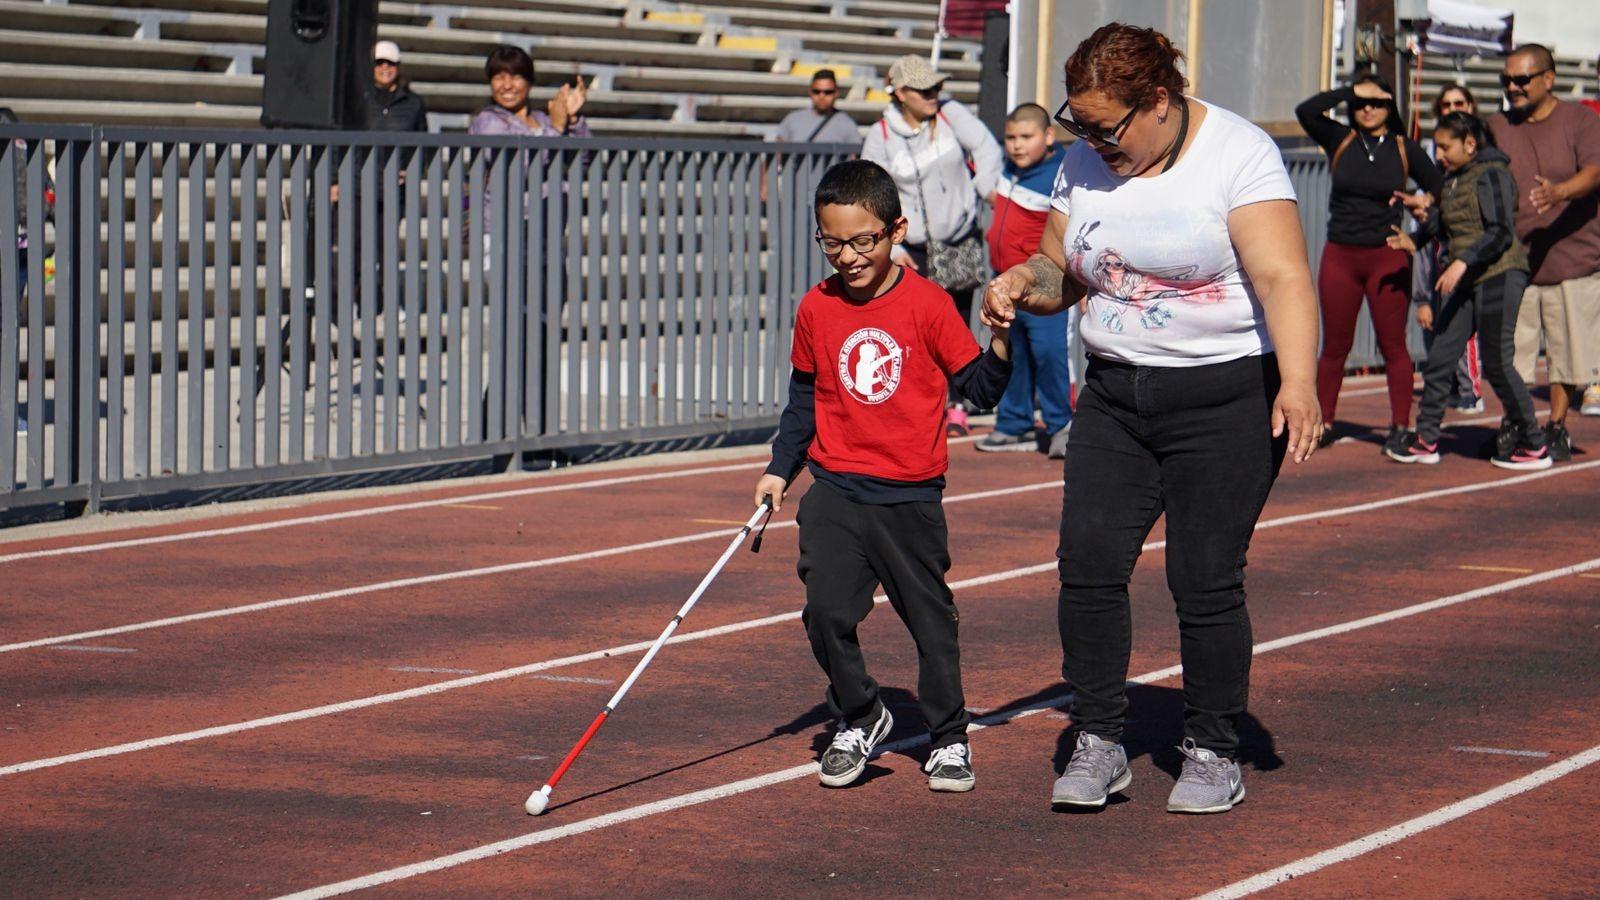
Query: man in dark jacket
[389,105]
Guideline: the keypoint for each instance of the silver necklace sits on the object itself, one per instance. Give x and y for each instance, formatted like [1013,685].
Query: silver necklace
[1371,149]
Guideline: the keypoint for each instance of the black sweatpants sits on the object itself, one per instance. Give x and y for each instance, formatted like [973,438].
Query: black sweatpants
[1196,444]
[1490,308]
[847,549]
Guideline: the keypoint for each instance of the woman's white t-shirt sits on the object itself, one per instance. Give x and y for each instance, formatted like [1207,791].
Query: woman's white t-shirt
[1164,283]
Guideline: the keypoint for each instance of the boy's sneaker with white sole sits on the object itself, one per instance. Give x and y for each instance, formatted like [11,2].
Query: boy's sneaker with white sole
[846,758]
[1098,769]
[1591,401]
[1414,451]
[1000,442]
[950,769]
[1529,453]
[1209,783]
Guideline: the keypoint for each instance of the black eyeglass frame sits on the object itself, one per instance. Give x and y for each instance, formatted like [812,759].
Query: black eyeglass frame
[1520,81]
[872,238]
[1106,137]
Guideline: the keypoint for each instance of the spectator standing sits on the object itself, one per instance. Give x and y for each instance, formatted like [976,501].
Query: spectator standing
[510,73]
[1555,158]
[1178,219]
[927,144]
[388,103]
[821,122]
[1591,394]
[1040,364]
[1479,289]
[1369,159]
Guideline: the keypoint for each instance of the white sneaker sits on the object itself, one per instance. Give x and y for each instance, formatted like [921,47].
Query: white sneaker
[1591,401]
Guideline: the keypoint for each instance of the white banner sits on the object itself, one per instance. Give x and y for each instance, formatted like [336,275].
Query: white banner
[1462,29]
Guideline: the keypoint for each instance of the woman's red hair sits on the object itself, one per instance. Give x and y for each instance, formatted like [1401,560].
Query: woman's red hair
[1127,64]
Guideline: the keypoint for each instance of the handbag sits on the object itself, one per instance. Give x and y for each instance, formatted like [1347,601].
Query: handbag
[960,265]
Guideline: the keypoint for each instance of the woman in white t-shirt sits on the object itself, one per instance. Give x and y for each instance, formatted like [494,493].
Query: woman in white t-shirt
[1177,223]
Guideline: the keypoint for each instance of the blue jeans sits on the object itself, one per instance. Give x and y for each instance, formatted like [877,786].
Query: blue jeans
[1039,365]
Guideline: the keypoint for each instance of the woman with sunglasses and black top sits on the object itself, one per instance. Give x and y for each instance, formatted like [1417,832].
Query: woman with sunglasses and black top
[1176,222]
[1370,159]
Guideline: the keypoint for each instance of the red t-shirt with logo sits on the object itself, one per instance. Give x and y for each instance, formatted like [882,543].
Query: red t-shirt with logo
[882,370]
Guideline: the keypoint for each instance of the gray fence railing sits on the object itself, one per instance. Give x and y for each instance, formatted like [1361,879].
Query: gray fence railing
[234,307]
[195,309]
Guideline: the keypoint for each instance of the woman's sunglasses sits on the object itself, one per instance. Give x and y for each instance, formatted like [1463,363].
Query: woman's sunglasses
[1107,137]
[1520,81]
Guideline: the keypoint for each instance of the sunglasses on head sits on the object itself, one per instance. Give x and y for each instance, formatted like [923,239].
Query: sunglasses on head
[1109,137]
[1520,81]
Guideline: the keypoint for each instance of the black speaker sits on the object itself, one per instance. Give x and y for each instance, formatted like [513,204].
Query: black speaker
[319,61]
[992,76]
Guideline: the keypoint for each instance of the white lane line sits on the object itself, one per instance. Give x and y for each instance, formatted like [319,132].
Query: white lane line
[397,507]
[1496,751]
[95,649]
[574,679]
[456,575]
[370,511]
[1406,829]
[771,778]
[732,628]
[433,670]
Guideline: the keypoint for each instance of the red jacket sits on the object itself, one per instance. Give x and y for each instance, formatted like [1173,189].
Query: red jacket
[1021,206]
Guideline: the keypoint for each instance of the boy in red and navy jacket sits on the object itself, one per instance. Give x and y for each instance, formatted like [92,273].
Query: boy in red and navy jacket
[1039,361]
[875,347]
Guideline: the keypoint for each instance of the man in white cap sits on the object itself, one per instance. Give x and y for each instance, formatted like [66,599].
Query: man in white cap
[389,105]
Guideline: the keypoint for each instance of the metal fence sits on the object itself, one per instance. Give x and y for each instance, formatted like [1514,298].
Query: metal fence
[196,309]
[234,307]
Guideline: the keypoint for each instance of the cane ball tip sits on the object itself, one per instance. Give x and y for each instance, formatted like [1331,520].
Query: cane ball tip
[537,801]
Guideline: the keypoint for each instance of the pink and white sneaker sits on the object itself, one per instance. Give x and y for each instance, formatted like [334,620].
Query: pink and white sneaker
[1414,451]
[958,422]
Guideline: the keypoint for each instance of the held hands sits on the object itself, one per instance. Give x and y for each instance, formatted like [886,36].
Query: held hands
[1545,194]
[564,106]
[773,486]
[1003,295]
[1297,411]
[1400,240]
[1425,317]
[1450,278]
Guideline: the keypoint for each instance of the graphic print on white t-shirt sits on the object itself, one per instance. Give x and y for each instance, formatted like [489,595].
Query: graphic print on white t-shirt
[870,363]
[1165,285]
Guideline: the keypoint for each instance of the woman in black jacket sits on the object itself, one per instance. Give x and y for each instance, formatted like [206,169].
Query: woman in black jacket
[1369,160]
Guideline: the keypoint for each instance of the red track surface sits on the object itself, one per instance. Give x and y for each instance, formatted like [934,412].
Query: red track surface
[1350,733]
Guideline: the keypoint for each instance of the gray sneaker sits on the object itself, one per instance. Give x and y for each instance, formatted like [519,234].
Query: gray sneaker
[999,441]
[1058,442]
[845,760]
[1209,783]
[1098,769]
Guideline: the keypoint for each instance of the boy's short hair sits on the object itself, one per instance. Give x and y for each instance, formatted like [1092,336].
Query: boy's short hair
[1030,112]
[860,182]
[824,75]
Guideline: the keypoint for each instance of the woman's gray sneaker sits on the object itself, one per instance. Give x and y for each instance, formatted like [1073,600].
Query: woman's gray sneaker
[950,769]
[846,758]
[1209,783]
[1098,769]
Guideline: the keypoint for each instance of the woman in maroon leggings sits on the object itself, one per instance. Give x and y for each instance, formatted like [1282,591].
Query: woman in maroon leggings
[1369,160]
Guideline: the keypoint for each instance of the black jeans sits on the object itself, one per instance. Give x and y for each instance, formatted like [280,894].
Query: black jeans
[1196,444]
[1489,307]
[846,550]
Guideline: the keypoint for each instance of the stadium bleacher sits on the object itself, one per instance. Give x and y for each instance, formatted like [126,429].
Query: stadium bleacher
[712,68]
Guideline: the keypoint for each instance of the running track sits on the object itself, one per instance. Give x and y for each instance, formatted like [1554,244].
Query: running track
[358,693]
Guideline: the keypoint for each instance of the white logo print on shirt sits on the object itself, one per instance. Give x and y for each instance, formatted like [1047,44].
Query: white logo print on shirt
[869,365]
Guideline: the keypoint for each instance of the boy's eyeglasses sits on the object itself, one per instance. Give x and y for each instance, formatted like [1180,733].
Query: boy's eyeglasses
[1520,81]
[1108,137]
[861,243]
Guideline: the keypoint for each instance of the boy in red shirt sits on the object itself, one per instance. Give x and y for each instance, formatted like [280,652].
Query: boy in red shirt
[875,347]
